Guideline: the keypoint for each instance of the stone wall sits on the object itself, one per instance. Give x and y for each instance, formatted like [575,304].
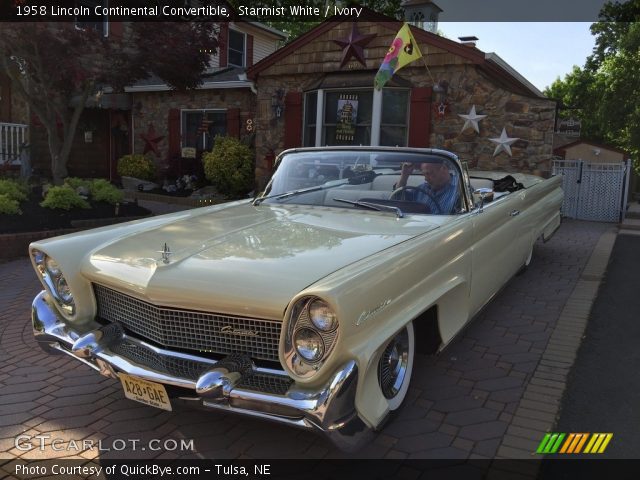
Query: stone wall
[154,110]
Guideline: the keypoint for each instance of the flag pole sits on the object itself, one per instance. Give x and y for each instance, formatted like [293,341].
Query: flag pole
[424,60]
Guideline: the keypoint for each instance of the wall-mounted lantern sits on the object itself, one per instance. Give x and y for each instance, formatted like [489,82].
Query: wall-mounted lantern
[277,103]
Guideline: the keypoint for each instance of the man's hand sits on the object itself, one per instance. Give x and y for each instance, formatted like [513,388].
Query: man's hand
[405,171]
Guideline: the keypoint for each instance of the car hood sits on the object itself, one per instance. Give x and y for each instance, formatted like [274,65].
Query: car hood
[244,260]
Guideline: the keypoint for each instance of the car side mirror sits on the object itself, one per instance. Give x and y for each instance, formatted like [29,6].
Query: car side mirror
[484,193]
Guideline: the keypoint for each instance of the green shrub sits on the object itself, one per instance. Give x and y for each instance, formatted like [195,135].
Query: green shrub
[8,205]
[103,191]
[14,190]
[230,166]
[75,183]
[137,166]
[64,198]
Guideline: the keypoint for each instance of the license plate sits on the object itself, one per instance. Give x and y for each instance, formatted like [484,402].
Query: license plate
[143,391]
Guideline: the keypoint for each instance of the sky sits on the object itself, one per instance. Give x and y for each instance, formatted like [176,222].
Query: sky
[539,51]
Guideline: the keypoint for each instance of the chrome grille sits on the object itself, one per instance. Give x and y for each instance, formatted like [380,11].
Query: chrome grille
[188,329]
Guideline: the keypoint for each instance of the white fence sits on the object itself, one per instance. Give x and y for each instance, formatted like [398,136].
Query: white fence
[593,191]
[13,136]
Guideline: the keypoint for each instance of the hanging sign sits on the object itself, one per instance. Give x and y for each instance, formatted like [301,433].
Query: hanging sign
[347,115]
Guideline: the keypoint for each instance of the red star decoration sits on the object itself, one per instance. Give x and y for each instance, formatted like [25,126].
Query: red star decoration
[151,140]
[353,45]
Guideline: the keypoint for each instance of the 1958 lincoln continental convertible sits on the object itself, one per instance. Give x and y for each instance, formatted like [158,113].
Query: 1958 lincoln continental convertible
[305,305]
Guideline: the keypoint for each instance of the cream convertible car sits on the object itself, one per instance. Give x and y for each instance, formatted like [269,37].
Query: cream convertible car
[306,305]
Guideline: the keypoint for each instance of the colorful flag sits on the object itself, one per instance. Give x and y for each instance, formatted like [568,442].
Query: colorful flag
[403,50]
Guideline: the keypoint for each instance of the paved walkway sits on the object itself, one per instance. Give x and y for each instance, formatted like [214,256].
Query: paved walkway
[492,393]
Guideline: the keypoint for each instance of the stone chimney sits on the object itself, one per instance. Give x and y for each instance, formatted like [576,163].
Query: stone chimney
[468,41]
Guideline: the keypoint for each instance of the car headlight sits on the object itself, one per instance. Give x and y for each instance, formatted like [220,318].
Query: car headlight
[311,335]
[322,317]
[52,266]
[309,344]
[54,281]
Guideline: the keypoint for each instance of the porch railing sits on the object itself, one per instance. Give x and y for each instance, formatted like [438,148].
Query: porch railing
[13,143]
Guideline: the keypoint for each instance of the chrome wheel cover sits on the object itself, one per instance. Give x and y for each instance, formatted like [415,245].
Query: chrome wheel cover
[393,365]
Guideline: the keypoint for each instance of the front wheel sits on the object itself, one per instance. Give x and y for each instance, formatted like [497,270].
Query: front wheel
[395,367]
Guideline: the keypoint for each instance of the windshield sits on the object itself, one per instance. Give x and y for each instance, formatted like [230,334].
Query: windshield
[414,182]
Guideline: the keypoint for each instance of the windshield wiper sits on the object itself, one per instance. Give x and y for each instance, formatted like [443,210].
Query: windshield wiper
[371,205]
[293,193]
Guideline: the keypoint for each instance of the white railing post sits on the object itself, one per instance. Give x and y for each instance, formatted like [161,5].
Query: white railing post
[12,137]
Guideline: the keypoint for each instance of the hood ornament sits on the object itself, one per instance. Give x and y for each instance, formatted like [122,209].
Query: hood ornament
[166,253]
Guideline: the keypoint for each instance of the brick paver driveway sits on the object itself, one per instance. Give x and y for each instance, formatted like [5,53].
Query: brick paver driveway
[461,403]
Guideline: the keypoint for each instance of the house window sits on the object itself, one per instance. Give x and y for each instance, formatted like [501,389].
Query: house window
[236,48]
[200,127]
[393,128]
[348,117]
[97,23]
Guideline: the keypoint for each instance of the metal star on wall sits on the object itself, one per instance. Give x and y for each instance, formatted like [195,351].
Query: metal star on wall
[471,120]
[151,140]
[503,142]
[353,46]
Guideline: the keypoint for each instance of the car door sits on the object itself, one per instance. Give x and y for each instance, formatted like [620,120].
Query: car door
[499,248]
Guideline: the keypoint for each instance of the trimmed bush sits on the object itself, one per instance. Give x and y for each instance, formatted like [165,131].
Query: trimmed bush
[103,191]
[137,166]
[230,166]
[64,198]
[8,205]
[14,190]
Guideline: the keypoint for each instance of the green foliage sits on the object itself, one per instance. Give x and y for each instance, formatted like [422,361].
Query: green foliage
[14,190]
[603,94]
[230,166]
[137,166]
[64,198]
[75,183]
[8,205]
[103,191]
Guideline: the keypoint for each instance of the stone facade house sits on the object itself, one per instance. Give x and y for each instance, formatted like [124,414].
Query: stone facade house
[174,127]
[300,86]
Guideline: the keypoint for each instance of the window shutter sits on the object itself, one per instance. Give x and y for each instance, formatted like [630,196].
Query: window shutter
[116,29]
[223,44]
[420,117]
[293,120]
[174,134]
[233,122]
[249,60]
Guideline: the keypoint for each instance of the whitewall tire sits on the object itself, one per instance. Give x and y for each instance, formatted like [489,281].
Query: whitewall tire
[395,367]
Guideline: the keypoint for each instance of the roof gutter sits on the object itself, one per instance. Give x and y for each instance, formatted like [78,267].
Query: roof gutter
[205,86]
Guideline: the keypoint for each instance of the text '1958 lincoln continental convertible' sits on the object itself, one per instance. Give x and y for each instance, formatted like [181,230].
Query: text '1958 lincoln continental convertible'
[305,305]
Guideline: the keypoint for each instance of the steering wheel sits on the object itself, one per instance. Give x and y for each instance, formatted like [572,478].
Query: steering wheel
[400,193]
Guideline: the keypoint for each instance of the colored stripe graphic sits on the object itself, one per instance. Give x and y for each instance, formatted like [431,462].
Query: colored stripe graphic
[598,442]
[574,443]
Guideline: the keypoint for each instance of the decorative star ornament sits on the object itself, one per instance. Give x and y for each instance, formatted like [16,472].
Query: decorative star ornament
[353,46]
[151,140]
[471,120]
[503,143]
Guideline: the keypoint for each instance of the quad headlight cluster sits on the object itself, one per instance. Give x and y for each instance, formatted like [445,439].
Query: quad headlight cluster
[54,281]
[311,334]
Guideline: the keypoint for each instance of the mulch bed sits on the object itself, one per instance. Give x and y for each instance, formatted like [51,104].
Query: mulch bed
[36,218]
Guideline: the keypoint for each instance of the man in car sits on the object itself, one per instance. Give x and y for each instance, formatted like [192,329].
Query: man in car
[439,191]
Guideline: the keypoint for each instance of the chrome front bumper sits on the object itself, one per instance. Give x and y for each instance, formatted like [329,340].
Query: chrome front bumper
[233,384]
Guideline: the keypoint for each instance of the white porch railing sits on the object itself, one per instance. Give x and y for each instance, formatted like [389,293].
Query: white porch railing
[13,137]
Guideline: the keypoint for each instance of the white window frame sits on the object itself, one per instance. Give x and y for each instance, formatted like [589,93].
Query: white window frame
[244,48]
[376,114]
